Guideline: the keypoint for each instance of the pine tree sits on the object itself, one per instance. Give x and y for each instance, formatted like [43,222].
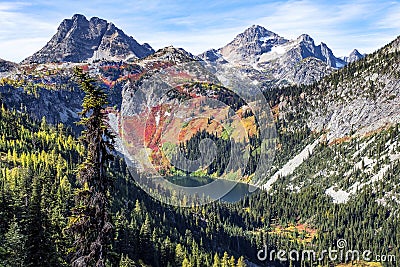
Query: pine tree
[90,222]
[225,260]
[232,262]
[241,262]
[179,254]
[146,245]
[217,262]
[126,262]
[15,246]
[39,246]
[186,263]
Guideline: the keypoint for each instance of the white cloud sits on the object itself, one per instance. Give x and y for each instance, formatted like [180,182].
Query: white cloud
[391,19]
[7,6]
[21,34]
[20,48]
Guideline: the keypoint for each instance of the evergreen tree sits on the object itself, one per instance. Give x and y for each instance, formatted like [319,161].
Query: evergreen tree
[146,245]
[39,246]
[232,262]
[15,246]
[179,254]
[225,260]
[217,261]
[241,262]
[126,261]
[90,222]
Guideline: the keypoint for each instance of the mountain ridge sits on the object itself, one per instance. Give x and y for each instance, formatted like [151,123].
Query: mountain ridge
[7,66]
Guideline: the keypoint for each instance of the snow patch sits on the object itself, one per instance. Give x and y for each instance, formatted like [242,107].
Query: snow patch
[338,196]
[276,52]
[291,165]
[264,39]
[158,118]
[363,147]
[279,50]
[377,177]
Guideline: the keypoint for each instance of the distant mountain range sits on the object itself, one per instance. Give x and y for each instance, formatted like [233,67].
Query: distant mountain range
[263,55]
[261,52]
[257,45]
[279,60]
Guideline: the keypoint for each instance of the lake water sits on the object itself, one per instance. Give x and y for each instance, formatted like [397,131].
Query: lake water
[231,191]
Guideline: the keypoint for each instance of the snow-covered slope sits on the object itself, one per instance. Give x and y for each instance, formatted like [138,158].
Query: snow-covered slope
[291,165]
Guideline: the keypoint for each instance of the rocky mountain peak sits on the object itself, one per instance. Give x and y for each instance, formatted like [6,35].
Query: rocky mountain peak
[79,17]
[95,20]
[354,56]
[305,38]
[255,32]
[212,56]
[79,39]
[258,35]
[307,48]
[254,41]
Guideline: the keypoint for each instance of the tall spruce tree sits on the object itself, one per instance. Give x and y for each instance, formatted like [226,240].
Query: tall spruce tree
[14,242]
[90,222]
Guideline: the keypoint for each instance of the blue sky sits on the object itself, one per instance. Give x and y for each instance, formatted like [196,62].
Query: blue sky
[26,26]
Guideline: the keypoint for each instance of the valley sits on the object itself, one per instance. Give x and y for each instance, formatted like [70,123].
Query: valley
[299,149]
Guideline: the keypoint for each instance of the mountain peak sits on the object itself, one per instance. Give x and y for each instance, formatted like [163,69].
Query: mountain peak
[354,56]
[254,41]
[259,49]
[257,27]
[256,32]
[355,52]
[78,39]
[79,17]
[96,20]
[305,38]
